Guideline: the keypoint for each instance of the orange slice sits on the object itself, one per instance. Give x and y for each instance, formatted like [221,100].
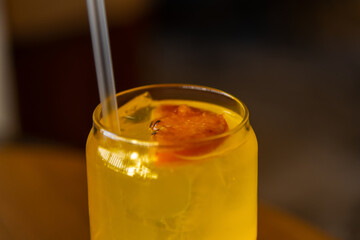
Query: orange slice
[181,126]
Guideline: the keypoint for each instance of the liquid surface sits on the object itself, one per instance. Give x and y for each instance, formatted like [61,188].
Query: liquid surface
[136,115]
[209,196]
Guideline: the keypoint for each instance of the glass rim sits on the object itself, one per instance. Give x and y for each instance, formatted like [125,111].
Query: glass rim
[104,130]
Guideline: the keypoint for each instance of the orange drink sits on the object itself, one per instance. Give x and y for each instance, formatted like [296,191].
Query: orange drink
[183,166]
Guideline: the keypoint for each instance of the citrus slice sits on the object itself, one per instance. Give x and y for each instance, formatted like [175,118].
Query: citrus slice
[182,126]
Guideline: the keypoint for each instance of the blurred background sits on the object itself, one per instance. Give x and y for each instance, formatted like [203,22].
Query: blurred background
[295,64]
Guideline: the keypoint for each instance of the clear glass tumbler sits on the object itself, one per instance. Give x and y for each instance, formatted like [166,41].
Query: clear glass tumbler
[197,189]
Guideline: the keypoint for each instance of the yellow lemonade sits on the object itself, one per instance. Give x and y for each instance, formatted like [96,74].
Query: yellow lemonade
[207,196]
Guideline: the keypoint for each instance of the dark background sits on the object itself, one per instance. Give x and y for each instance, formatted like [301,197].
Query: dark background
[295,64]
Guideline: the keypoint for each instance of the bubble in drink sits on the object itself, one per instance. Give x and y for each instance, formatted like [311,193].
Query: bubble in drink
[171,184]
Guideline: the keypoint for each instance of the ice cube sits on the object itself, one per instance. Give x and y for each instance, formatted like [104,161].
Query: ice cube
[137,109]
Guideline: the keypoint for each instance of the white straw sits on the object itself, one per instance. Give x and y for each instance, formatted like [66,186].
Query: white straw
[103,63]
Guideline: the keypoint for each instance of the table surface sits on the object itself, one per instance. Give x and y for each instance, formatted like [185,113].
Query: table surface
[43,195]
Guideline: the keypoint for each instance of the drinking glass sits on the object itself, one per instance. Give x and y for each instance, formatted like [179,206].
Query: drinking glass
[209,195]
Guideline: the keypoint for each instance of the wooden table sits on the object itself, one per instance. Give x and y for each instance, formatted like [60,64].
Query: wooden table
[43,196]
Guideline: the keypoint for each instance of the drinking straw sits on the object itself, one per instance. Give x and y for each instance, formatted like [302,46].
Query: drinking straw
[103,63]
